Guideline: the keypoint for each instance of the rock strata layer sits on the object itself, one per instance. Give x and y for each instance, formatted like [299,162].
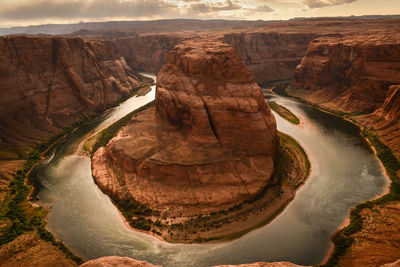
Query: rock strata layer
[270,56]
[49,83]
[116,261]
[208,144]
[147,53]
[358,74]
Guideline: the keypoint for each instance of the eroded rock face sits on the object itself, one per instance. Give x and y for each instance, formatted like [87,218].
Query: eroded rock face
[356,74]
[385,120]
[206,91]
[352,73]
[265,264]
[116,261]
[208,144]
[147,52]
[48,83]
[270,56]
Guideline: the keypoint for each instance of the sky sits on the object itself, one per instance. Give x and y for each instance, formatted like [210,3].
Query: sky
[34,12]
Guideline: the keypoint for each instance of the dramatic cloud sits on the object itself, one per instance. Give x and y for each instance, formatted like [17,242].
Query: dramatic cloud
[27,12]
[85,9]
[323,3]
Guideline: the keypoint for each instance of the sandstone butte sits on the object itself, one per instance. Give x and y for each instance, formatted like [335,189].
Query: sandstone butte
[49,83]
[358,74]
[208,144]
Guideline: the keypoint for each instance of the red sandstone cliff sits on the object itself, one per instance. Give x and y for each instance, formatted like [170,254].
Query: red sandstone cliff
[351,73]
[356,74]
[270,56]
[49,83]
[386,119]
[147,53]
[208,144]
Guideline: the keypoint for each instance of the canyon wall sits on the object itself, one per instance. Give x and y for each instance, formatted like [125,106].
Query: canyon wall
[270,56]
[352,73]
[49,83]
[358,74]
[208,144]
[147,53]
[386,119]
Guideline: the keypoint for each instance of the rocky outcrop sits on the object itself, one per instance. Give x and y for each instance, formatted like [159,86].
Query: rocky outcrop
[385,120]
[147,53]
[49,83]
[377,243]
[115,261]
[356,74]
[270,56]
[351,73]
[206,146]
[265,264]
[393,264]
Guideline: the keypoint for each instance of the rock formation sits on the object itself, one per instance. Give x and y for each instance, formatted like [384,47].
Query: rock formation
[265,264]
[270,56]
[116,261]
[206,146]
[351,73]
[147,53]
[356,74]
[385,120]
[49,83]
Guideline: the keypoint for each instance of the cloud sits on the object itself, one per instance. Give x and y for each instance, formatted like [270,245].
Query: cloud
[213,7]
[263,8]
[90,10]
[84,9]
[323,3]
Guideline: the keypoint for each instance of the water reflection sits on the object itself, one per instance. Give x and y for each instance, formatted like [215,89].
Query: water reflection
[344,172]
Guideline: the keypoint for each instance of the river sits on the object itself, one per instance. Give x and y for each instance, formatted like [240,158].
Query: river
[344,172]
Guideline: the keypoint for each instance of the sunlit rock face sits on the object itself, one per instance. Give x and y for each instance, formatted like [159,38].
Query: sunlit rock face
[116,261]
[49,83]
[270,56]
[358,74]
[207,145]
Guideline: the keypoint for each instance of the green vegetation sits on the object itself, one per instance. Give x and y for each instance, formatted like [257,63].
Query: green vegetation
[284,112]
[136,213]
[343,239]
[20,217]
[103,137]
